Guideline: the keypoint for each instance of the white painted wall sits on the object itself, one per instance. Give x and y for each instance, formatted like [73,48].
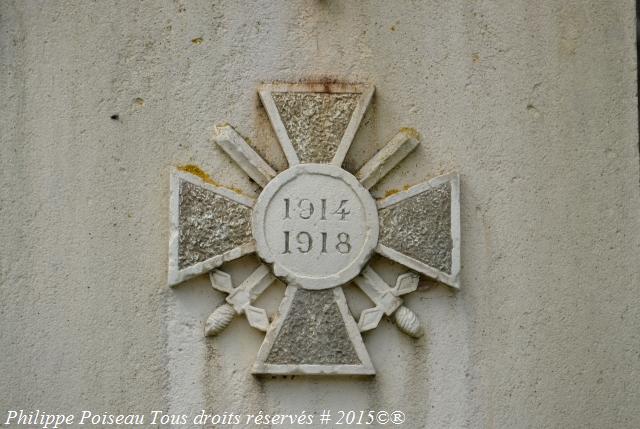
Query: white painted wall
[534,103]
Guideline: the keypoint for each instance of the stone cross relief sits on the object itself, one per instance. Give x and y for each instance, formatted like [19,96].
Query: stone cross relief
[314,226]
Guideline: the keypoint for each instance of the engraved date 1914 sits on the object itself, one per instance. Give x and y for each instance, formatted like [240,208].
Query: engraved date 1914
[319,210]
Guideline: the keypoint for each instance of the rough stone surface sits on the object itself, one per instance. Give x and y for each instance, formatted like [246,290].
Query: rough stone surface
[313,333]
[534,103]
[315,122]
[210,224]
[420,227]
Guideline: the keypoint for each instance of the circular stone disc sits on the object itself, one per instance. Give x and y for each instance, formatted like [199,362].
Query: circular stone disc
[316,224]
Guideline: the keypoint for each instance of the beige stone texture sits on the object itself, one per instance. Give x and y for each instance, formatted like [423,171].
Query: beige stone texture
[533,103]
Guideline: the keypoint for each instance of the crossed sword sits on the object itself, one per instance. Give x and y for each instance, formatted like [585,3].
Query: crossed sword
[240,299]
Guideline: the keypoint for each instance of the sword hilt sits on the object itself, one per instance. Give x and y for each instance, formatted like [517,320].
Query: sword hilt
[408,322]
[219,319]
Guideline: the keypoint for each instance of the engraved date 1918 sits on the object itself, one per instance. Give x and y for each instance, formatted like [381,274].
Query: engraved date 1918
[320,210]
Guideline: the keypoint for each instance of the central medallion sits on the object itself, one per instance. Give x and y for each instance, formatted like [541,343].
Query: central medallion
[316,224]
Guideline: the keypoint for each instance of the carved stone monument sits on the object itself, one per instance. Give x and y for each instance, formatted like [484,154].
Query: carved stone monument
[237,151]
[315,227]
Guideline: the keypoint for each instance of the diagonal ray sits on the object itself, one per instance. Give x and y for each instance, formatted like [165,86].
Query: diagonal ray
[388,157]
[420,228]
[315,122]
[209,225]
[244,155]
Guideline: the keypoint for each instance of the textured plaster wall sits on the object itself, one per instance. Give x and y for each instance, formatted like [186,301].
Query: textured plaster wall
[534,103]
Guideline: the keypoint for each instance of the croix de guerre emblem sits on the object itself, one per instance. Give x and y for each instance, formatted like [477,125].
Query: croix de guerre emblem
[314,226]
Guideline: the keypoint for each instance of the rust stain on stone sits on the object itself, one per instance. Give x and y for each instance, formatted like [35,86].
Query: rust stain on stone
[329,84]
[197,171]
[395,191]
[410,132]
